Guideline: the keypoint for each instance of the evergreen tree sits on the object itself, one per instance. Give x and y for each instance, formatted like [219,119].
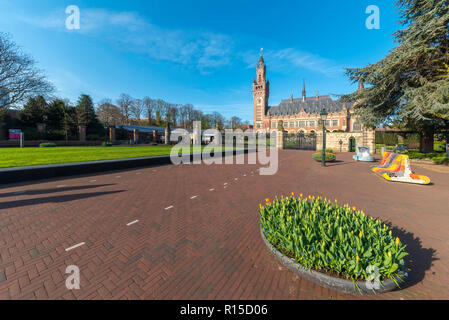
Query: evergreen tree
[410,86]
[56,114]
[35,111]
[85,111]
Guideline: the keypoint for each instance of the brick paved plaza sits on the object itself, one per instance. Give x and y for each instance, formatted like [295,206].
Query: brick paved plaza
[197,235]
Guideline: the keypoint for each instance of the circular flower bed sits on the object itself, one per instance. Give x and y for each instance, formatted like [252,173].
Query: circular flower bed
[329,157]
[341,242]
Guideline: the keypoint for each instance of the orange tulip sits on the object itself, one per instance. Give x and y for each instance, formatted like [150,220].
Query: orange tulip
[268,200]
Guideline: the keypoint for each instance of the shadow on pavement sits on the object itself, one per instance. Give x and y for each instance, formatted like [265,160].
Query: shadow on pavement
[55,199]
[52,190]
[419,259]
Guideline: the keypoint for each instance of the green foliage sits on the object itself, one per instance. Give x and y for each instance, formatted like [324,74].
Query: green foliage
[410,86]
[33,134]
[47,145]
[420,155]
[327,151]
[106,144]
[390,139]
[441,160]
[324,236]
[35,111]
[440,147]
[379,138]
[329,156]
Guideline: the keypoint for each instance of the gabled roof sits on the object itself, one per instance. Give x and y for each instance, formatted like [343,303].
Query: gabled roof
[310,105]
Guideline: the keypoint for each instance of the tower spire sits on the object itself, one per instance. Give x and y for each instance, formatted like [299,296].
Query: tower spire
[303,90]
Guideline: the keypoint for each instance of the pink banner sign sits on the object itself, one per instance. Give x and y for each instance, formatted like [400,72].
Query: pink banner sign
[14,134]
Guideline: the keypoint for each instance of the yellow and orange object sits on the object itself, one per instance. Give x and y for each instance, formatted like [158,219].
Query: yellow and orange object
[396,168]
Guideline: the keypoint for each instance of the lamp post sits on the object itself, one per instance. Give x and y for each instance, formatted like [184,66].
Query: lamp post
[323,118]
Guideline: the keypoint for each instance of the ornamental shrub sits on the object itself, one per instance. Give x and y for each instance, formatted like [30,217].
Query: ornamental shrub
[329,156]
[441,160]
[326,237]
[47,145]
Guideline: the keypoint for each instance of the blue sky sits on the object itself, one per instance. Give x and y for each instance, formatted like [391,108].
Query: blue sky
[200,52]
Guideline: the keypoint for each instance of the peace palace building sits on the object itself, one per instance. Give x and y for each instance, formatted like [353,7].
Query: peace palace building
[299,115]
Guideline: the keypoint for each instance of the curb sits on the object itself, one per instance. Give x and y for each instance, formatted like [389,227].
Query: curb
[44,172]
[324,280]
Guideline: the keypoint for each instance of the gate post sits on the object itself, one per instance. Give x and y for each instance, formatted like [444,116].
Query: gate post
[319,141]
[280,140]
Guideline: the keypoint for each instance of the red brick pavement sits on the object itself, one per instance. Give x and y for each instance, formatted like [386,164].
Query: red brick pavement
[203,248]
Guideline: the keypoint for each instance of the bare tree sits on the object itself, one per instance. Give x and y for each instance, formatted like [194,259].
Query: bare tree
[136,109]
[235,122]
[109,113]
[149,106]
[19,78]
[218,120]
[174,111]
[124,103]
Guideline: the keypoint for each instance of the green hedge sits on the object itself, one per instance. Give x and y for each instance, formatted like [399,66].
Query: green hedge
[441,160]
[329,156]
[324,236]
[47,145]
[419,155]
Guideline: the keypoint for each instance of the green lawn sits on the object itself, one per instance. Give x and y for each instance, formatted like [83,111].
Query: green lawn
[16,157]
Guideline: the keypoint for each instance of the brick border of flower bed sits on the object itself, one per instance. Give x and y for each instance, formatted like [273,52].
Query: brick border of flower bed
[324,280]
[33,173]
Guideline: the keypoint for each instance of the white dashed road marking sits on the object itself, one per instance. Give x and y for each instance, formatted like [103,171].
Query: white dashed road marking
[75,246]
[168,208]
[211,189]
[131,223]
[194,197]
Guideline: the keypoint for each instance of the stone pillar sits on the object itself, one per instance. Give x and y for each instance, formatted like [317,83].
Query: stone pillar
[319,140]
[155,138]
[41,127]
[369,139]
[136,136]
[427,143]
[112,134]
[197,133]
[167,134]
[280,139]
[82,133]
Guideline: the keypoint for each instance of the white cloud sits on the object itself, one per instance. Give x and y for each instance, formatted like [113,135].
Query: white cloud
[284,60]
[202,50]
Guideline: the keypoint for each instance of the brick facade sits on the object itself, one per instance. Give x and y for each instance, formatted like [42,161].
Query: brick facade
[299,115]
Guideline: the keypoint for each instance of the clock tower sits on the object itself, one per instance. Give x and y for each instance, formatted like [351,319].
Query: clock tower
[261,93]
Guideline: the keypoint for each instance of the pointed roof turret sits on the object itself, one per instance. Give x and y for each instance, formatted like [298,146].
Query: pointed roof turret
[303,90]
[261,61]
